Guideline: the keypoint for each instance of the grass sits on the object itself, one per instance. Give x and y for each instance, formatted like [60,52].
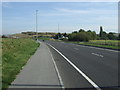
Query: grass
[15,54]
[22,35]
[111,44]
[45,38]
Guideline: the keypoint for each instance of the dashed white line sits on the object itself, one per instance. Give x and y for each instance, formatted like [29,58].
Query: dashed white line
[97,54]
[76,48]
[85,76]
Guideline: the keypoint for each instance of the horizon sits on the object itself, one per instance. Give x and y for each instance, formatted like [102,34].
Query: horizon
[71,16]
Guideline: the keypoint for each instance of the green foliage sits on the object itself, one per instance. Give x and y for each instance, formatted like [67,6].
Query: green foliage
[101,32]
[3,36]
[58,36]
[75,32]
[65,34]
[111,36]
[15,54]
[44,38]
[107,36]
[82,35]
[81,30]
[111,44]
[104,36]
[92,35]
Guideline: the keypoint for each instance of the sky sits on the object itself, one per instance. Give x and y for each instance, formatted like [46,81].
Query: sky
[19,17]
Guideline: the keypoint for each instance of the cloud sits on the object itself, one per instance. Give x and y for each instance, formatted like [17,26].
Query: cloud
[64,12]
[97,14]
[90,11]
[52,14]
[71,10]
[6,5]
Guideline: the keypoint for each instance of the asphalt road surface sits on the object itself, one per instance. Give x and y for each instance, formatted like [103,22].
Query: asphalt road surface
[85,67]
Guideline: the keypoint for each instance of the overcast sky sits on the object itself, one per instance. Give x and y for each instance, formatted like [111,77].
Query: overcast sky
[71,16]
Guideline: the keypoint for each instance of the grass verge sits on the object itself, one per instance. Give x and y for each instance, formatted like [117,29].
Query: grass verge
[110,44]
[15,54]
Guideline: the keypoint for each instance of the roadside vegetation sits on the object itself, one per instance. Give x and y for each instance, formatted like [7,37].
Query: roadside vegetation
[107,40]
[44,38]
[85,37]
[110,44]
[15,54]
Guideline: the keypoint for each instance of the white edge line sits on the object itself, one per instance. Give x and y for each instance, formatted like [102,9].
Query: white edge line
[85,76]
[60,79]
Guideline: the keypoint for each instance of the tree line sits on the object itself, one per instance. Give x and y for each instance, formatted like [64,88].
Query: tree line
[82,35]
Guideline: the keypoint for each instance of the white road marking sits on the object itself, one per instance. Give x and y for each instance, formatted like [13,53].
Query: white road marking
[76,48]
[97,48]
[59,77]
[85,76]
[97,54]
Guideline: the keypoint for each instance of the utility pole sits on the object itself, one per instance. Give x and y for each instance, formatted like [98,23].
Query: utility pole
[37,24]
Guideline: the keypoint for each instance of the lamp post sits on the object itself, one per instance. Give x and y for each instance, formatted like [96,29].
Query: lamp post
[36,25]
[58,31]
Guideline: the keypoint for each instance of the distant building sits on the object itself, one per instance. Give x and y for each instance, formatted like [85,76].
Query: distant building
[116,34]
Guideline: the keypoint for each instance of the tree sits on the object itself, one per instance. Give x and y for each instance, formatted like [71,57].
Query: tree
[3,36]
[75,32]
[111,36]
[104,37]
[92,34]
[65,34]
[83,36]
[101,32]
[72,37]
[80,36]
[81,30]
[58,36]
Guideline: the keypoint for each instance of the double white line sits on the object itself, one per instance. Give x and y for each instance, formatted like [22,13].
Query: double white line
[85,76]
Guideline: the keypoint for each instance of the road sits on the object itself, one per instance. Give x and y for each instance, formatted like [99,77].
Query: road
[100,66]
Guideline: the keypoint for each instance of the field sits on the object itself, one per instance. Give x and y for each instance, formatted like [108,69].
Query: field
[114,44]
[15,54]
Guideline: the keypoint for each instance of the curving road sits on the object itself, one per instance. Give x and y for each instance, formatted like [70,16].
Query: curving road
[97,64]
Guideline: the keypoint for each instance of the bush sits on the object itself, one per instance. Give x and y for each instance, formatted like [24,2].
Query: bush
[80,36]
[3,36]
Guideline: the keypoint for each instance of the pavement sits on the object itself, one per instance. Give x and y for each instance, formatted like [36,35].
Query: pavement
[39,72]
